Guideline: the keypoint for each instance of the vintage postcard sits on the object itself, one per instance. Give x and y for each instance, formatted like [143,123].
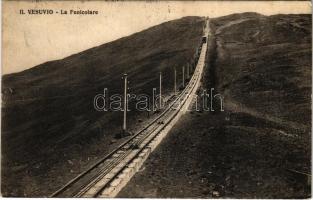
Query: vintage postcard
[156,99]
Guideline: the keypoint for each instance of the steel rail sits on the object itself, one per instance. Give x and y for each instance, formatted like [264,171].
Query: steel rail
[101,173]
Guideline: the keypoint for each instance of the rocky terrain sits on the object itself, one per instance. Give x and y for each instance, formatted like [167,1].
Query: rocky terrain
[260,145]
[50,129]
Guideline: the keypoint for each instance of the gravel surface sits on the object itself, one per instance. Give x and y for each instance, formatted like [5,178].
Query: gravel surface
[260,146]
[206,156]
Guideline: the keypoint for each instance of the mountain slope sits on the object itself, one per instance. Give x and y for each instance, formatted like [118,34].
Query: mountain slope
[267,68]
[260,145]
[48,118]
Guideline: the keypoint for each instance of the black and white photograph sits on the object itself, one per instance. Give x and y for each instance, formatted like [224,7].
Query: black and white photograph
[156,99]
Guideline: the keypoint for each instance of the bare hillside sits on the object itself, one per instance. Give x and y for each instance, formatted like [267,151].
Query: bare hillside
[50,129]
[260,145]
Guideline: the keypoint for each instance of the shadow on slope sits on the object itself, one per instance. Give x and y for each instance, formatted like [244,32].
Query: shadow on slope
[260,146]
[50,129]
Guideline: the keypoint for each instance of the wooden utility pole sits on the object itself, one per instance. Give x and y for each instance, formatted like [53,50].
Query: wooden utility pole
[125,102]
[175,82]
[160,90]
[183,76]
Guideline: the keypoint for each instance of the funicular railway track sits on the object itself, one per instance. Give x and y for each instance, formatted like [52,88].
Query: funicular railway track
[107,176]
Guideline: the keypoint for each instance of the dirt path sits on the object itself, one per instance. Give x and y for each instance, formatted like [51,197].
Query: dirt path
[205,155]
[231,154]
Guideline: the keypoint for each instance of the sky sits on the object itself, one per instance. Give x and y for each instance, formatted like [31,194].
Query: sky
[29,40]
